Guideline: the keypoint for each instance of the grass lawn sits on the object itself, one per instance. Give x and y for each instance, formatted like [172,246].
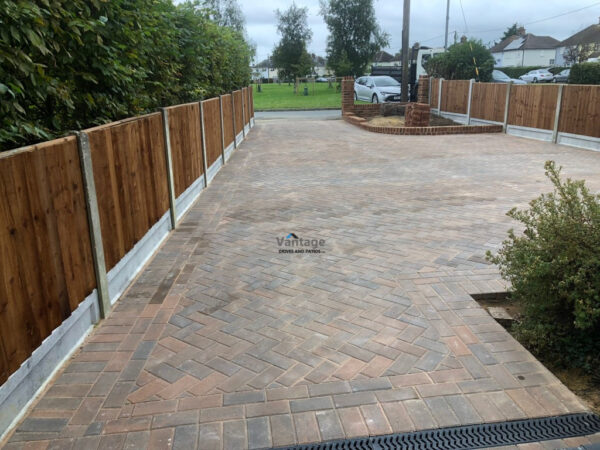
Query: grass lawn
[281,96]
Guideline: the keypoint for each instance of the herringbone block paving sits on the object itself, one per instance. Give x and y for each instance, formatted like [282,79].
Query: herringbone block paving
[224,342]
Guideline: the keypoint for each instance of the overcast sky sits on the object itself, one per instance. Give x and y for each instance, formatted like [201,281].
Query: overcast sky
[485,20]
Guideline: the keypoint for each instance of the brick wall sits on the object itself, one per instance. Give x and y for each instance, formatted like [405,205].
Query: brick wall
[347,94]
[423,94]
[417,115]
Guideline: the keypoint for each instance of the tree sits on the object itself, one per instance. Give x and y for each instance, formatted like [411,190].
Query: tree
[576,54]
[513,30]
[290,56]
[227,13]
[462,61]
[354,36]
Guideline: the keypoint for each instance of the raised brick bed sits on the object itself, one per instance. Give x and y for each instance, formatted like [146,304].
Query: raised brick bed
[417,114]
[425,131]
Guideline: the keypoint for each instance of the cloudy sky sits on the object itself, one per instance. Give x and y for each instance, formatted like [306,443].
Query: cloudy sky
[485,20]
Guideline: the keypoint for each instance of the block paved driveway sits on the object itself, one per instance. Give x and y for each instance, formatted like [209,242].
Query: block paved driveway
[223,342]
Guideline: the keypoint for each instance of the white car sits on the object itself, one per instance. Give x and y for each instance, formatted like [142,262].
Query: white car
[377,89]
[501,77]
[537,76]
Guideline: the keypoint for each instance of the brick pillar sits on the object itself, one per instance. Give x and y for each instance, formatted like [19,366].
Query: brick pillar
[423,94]
[417,115]
[347,94]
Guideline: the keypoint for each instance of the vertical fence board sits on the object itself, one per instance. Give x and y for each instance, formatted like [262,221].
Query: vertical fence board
[46,268]
[251,91]
[212,128]
[245,93]
[580,110]
[227,120]
[435,85]
[533,106]
[186,145]
[130,176]
[239,124]
[455,96]
[488,100]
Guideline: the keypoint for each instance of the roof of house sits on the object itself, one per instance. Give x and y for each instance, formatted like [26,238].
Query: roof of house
[526,42]
[383,56]
[263,64]
[589,35]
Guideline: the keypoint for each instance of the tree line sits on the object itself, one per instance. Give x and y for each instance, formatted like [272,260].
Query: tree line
[71,64]
[354,38]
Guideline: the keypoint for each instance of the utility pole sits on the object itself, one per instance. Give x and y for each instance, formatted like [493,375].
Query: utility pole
[405,50]
[447,20]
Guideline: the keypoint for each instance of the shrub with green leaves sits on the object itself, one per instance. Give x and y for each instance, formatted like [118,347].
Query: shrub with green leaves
[554,269]
[460,62]
[70,64]
[585,73]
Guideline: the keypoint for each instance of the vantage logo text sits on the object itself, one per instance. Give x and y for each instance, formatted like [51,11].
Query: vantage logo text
[294,244]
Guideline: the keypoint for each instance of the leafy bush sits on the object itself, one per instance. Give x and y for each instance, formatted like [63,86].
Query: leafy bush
[457,63]
[70,64]
[585,73]
[554,269]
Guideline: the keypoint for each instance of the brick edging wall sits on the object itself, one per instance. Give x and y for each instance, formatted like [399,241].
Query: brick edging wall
[422,131]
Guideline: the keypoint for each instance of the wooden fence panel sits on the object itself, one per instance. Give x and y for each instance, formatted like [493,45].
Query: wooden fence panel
[245,93]
[237,99]
[212,128]
[131,182]
[533,106]
[455,96]
[45,249]
[488,101]
[185,133]
[251,91]
[227,120]
[580,110]
[435,87]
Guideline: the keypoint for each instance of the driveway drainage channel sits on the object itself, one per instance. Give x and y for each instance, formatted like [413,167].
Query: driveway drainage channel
[472,436]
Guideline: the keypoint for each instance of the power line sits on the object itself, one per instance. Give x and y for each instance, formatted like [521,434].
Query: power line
[543,20]
[464,18]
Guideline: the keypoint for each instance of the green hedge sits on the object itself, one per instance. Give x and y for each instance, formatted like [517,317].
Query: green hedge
[516,72]
[71,64]
[585,73]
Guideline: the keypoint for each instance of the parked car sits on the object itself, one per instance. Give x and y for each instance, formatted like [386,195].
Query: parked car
[500,77]
[562,77]
[377,89]
[322,80]
[537,76]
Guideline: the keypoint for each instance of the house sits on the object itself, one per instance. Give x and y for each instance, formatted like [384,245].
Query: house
[525,49]
[384,59]
[264,70]
[319,68]
[580,47]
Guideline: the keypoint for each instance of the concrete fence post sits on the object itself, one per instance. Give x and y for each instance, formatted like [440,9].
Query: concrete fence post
[233,119]
[169,160]
[440,97]
[507,105]
[557,113]
[93,213]
[222,130]
[204,163]
[471,82]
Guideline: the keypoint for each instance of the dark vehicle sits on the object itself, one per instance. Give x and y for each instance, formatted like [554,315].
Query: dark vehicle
[562,77]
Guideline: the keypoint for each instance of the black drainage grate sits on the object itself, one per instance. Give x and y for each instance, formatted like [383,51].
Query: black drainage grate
[472,436]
